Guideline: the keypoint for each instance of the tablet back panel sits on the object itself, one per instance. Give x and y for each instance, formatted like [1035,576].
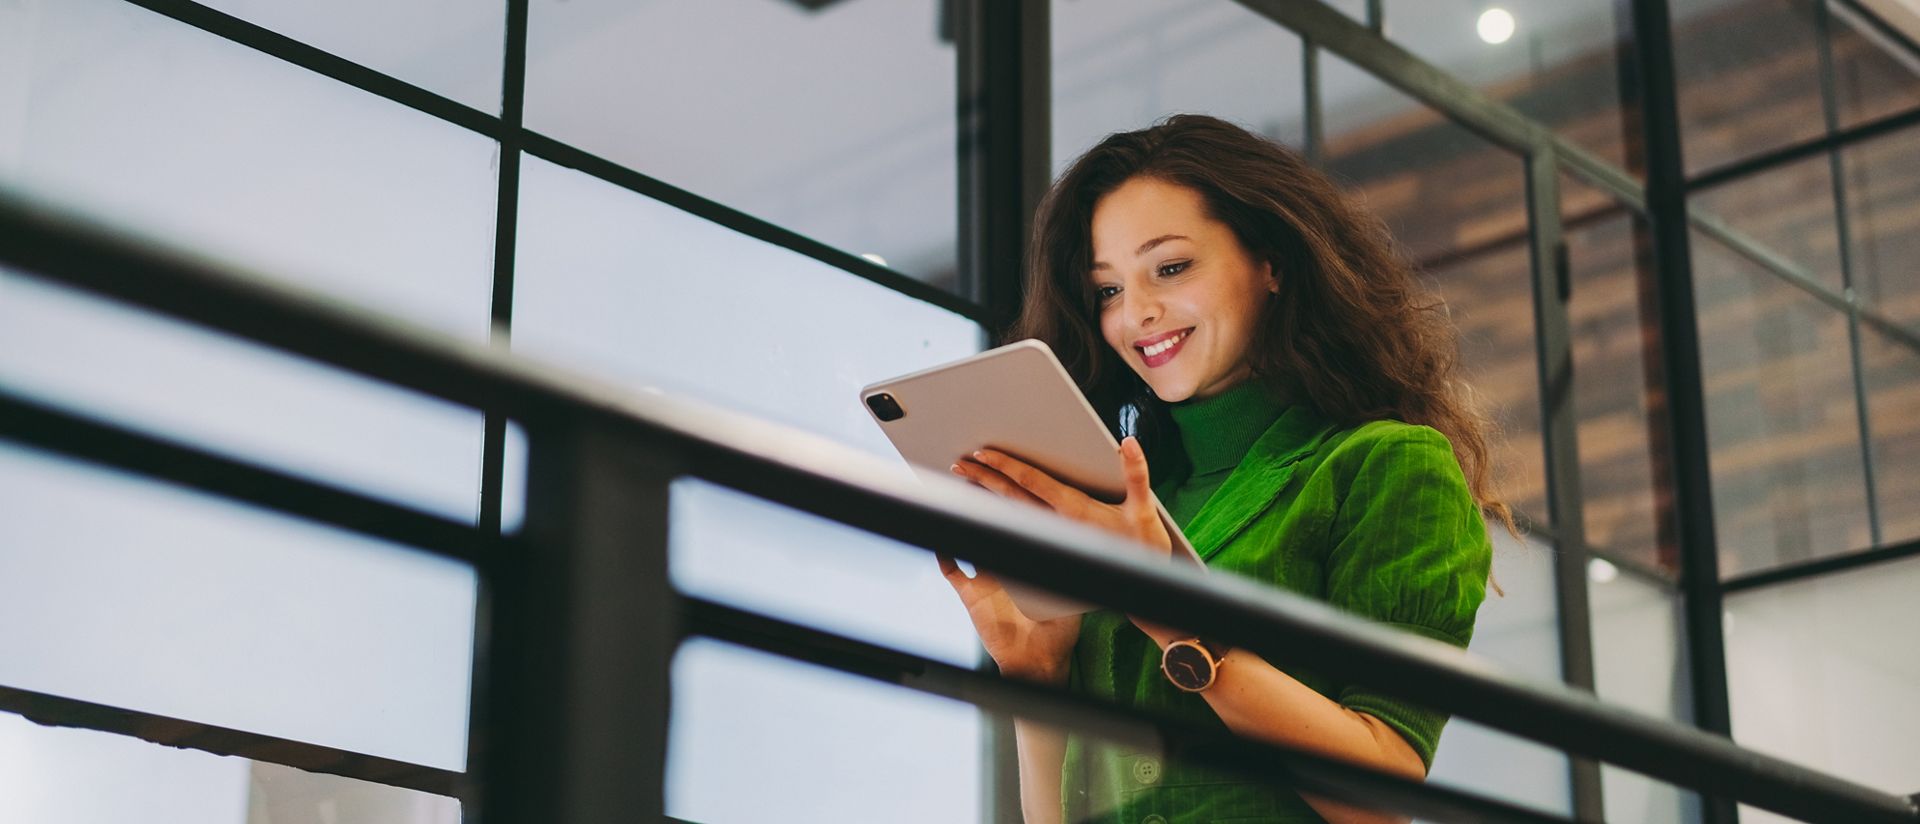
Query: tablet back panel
[1016,399]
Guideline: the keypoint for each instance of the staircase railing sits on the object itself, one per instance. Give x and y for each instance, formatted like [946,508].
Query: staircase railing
[572,677]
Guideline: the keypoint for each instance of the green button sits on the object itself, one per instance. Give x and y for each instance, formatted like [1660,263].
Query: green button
[1153,819]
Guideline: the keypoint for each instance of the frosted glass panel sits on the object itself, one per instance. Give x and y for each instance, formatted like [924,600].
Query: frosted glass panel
[139,595]
[835,120]
[1521,634]
[1821,672]
[183,382]
[149,123]
[654,298]
[739,752]
[73,776]
[1119,66]
[1639,661]
[455,48]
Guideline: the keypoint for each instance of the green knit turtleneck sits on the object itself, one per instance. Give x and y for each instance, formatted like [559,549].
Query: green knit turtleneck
[1216,433]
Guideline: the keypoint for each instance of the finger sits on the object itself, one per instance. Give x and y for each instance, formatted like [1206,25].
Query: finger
[993,481]
[1139,486]
[1057,495]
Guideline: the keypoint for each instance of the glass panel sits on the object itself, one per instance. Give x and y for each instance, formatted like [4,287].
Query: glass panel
[1748,77]
[73,776]
[454,48]
[1120,66]
[835,120]
[1491,297]
[1883,218]
[1782,424]
[735,548]
[1818,676]
[1555,61]
[1443,191]
[1786,210]
[212,146]
[1640,661]
[1892,373]
[759,738]
[659,300]
[1873,76]
[1615,369]
[124,592]
[1520,632]
[185,383]
[204,388]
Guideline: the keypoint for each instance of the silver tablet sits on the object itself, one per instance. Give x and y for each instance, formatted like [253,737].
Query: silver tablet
[1019,400]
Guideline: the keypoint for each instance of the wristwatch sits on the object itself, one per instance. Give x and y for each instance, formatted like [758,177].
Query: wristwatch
[1192,664]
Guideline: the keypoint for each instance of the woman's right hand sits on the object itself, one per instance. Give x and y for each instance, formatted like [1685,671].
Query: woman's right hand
[1023,648]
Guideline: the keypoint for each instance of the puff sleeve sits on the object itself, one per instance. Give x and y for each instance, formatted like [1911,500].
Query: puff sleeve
[1410,549]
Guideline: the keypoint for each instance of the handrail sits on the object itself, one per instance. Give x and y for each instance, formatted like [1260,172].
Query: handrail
[819,476]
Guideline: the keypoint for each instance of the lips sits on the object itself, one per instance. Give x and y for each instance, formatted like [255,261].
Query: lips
[1159,349]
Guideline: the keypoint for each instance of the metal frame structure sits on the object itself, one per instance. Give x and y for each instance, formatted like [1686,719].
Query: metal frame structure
[584,619]
[1004,116]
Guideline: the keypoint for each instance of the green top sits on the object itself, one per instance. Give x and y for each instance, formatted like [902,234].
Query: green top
[1374,519]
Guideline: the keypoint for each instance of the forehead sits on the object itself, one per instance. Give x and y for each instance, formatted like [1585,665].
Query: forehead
[1143,209]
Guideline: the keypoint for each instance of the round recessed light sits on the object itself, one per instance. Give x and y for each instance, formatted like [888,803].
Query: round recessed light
[1496,25]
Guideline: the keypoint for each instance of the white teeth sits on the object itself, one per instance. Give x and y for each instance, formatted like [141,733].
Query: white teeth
[1164,345]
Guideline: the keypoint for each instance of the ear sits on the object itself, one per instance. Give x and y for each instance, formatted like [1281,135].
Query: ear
[1266,273]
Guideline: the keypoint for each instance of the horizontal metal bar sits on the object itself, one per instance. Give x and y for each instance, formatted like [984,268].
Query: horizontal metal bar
[322,62]
[1298,769]
[71,435]
[1821,566]
[817,475]
[549,149]
[1804,149]
[56,711]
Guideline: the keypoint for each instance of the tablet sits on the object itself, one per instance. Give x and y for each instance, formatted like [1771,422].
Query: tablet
[1019,400]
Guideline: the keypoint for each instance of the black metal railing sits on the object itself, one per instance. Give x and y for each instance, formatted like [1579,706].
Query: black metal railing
[572,675]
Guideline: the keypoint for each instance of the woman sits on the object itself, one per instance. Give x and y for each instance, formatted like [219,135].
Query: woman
[1293,389]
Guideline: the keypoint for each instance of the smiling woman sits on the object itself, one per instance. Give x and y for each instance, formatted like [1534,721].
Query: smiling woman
[1288,389]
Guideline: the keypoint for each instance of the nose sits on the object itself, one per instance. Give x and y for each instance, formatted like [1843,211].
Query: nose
[1142,308]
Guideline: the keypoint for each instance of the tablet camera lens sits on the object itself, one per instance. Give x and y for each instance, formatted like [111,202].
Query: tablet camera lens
[885,407]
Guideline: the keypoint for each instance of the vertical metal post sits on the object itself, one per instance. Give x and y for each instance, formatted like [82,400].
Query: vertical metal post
[1005,133]
[1843,233]
[583,634]
[1686,418]
[493,437]
[1310,114]
[1005,119]
[1552,287]
[513,85]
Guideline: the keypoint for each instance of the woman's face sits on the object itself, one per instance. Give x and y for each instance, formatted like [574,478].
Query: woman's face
[1179,296]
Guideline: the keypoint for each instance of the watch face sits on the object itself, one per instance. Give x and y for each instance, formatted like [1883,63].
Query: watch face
[1187,666]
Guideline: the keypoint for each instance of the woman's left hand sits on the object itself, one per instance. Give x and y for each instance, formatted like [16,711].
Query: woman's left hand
[1134,517]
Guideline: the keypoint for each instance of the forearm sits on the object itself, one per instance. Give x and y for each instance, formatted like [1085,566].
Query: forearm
[1040,749]
[1257,700]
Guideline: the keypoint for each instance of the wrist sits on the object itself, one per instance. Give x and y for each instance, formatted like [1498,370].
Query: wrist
[1045,675]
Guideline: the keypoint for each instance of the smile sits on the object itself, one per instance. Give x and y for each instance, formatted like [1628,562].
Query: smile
[1164,349]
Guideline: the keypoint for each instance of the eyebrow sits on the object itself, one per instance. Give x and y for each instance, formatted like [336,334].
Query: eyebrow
[1144,248]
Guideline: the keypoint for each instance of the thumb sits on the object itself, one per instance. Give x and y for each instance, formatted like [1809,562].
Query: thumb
[1134,460]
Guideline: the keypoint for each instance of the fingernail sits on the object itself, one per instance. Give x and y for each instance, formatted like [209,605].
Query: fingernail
[956,469]
[978,456]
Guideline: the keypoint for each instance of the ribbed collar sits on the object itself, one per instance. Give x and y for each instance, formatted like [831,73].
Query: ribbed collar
[1218,431]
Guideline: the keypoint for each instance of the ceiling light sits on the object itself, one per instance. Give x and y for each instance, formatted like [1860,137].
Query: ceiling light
[1600,570]
[1496,25]
[875,258]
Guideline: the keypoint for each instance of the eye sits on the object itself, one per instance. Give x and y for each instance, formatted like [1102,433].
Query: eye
[1168,270]
[1105,293]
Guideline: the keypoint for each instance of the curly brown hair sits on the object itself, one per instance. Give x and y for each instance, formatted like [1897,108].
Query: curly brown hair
[1353,331]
